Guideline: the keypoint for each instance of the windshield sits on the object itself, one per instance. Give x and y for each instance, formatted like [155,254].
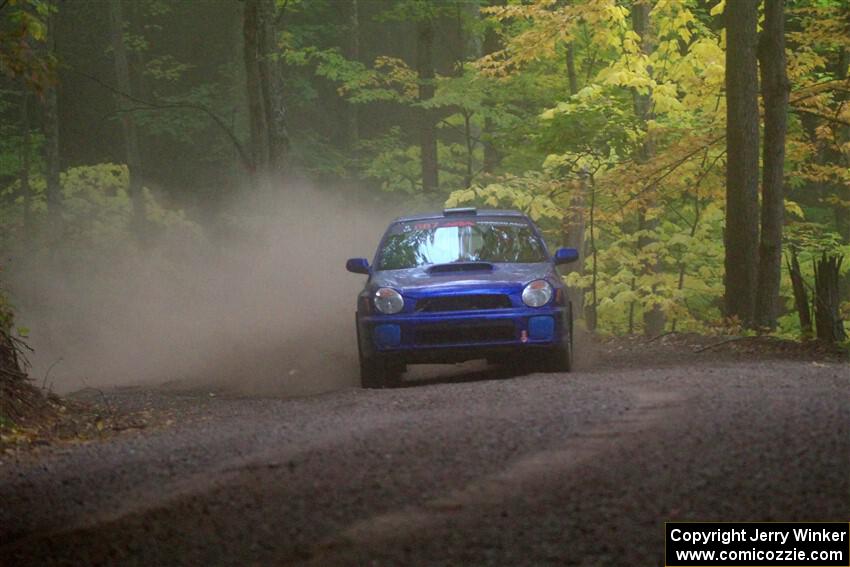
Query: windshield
[422,243]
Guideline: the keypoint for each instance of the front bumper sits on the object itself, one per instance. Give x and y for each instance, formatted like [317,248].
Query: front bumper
[453,336]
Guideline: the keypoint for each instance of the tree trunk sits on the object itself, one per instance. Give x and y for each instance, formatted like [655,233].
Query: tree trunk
[427,127]
[680,284]
[643,101]
[24,175]
[653,316]
[572,225]
[470,148]
[801,296]
[51,145]
[136,23]
[352,122]
[828,323]
[741,235]
[492,157]
[590,311]
[256,113]
[774,88]
[269,69]
[571,69]
[572,230]
[128,125]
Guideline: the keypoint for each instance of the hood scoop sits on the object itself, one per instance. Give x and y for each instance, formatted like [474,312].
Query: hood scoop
[455,267]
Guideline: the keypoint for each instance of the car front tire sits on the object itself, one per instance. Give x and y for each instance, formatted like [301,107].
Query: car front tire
[561,357]
[376,371]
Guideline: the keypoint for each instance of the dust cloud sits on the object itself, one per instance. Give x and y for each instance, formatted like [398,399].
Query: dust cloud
[260,304]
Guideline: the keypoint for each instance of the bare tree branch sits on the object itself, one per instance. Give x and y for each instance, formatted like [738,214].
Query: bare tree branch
[668,169]
[247,162]
[799,110]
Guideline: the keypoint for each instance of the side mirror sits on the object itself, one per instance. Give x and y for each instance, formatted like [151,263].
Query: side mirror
[565,256]
[357,265]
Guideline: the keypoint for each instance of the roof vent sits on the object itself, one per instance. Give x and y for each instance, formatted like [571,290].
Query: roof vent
[460,211]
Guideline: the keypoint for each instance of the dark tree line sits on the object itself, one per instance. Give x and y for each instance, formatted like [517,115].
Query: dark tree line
[200,99]
[754,232]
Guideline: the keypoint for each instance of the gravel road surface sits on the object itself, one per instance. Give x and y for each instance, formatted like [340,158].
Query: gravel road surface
[480,467]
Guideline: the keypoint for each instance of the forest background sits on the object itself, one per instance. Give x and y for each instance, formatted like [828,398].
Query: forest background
[127,123]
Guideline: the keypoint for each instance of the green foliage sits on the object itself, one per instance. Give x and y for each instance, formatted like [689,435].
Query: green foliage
[575,113]
[653,180]
[812,239]
[531,194]
[96,209]
[22,42]
[395,166]
[12,150]
[165,68]
[595,125]
[415,11]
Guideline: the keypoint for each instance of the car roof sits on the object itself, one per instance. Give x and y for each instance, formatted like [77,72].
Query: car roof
[458,214]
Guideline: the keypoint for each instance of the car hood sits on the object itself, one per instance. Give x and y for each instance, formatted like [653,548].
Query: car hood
[506,277]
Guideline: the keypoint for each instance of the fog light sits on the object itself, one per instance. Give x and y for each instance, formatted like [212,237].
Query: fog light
[541,328]
[386,335]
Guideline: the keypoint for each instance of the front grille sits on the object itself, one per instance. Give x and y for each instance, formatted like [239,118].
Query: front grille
[464,302]
[444,334]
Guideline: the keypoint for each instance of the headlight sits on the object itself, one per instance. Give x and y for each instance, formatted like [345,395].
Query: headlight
[388,301]
[537,293]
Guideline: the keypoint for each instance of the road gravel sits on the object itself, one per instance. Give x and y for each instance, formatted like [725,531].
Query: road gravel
[480,466]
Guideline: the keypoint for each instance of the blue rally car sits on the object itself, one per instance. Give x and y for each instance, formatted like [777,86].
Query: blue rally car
[461,285]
